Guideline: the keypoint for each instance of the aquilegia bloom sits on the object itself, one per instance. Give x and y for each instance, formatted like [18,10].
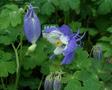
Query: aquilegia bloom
[32,28]
[57,82]
[65,41]
[48,84]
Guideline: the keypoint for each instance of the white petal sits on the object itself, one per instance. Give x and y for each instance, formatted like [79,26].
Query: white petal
[53,36]
[52,40]
[44,35]
[58,50]
[64,39]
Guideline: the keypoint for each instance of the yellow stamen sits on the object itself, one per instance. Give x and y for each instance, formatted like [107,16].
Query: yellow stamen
[58,43]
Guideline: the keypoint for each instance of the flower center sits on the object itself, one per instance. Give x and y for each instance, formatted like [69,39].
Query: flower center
[58,43]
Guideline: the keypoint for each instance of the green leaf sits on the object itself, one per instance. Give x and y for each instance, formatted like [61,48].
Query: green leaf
[64,5]
[73,84]
[92,31]
[89,80]
[102,23]
[55,2]
[38,56]
[6,68]
[10,15]
[105,72]
[15,18]
[7,36]
[75,5]
[92,84]
[81,59]
[47,8]
[4,19]
[75,26]
[105,39]
[45,68]
[84,75]
[4,56]
[66,78]
[11,7]
[7,65]
[105,7]
[109,29]
[106,48]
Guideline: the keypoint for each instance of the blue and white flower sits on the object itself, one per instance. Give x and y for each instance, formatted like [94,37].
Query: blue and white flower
[64,40]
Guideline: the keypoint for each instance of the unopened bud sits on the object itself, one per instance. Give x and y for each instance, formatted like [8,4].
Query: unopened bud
[48,84]
[57,83]
[97,52]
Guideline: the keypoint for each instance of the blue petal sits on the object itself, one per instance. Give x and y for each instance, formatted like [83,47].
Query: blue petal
[72,45]
[65,29]
[69,51]
[32,26]
[48,30]
[68,58]
[57,85]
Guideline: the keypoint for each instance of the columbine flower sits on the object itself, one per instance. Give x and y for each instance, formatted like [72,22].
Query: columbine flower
[48,84]
[32,28]
[57,82]
[97,52]
[64,40]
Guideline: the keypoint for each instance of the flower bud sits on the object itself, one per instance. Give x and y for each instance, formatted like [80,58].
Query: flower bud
[97,52]
[57,82]
[48,84]
[32,28]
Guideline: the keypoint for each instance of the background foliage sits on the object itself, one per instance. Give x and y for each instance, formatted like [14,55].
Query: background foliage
[85,73]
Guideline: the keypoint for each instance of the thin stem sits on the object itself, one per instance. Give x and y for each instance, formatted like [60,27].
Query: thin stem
[66,18]
[18,46]
[3,85]
[17,68]
[41,82]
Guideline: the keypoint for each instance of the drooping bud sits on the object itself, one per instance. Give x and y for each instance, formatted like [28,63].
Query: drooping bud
[48,84]
[32,28]
[97,52]
[57,82]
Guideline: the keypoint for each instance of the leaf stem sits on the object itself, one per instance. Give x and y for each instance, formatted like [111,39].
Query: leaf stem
[41,82]
[3,85]
[18,66]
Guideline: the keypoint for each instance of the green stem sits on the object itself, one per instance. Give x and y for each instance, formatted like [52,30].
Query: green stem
[17,68]
[41,82]
[3,85]
[66,15]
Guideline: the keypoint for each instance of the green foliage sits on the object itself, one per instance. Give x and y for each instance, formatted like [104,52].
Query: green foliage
[33,59]
[73,84]
[10,15]
[105,6]
[7,64]
[22,70]
[47,8]
[7,36]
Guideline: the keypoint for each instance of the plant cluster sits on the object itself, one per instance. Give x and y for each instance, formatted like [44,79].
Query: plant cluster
[56,45]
